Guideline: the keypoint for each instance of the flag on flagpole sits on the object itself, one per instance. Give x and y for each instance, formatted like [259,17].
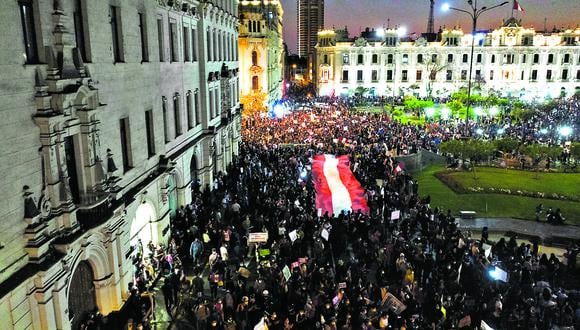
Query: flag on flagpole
[400,167]
[518,7]
[336,187]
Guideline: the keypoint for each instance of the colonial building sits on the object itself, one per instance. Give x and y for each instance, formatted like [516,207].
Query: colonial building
[261,51]
[111,111]
[511,60]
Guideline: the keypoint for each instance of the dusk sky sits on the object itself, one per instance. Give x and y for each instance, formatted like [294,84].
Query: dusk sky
[413,14]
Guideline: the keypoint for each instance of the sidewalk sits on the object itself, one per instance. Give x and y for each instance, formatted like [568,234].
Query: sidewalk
[543,230]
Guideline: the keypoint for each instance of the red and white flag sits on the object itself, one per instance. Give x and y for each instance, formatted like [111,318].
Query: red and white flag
[400,167]
[518,7]
[336,187]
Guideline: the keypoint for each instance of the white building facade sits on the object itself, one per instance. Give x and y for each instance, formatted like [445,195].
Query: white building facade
[112,111]
[511,61]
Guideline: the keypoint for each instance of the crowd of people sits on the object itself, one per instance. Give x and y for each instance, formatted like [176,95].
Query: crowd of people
[415,270]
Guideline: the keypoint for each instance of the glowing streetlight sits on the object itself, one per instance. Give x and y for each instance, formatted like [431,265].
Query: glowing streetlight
[565,131]
[445,113]
[446,7]
[544,131]
[500,131]
[479,131]
[493,111]
[380,32]
[401,31]
[429,112]
[478,111]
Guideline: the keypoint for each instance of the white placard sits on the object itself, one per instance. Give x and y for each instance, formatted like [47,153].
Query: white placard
[486,249]
[287,273]
[395,215]
[258,238]
[319,212]
[293,235]
[325,234]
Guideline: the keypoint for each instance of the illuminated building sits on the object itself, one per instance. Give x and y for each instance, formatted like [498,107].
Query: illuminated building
[261,51]
[511,60]
[112,111]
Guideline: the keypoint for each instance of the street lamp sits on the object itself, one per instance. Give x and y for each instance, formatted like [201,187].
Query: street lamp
[474,14]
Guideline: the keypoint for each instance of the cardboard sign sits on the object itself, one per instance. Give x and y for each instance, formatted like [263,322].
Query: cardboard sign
[464,322]
[395,215]
[295,264]
[325,234]
[486,249]
[395,305]
[293,235]
[244,272]
[302,260]
[287,273]
[342,285]
[258,238]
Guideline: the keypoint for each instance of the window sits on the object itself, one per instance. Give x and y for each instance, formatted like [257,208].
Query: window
[550,58]
[197,107]
[524,58]
[565,74]
[522,76]
[359,76]
[549,75]
[420,58]
[433,75]
[375,59]
[490,74]
[255,83]
[536,58]
[479,58]
[449,58]
[389,75]
[193,45]
[160,40]
[189,110]
[374,75]
[359,59]
[150,131]
[566,58]
[215,45]
[173,41]
[186,43]
[165,121]
[419,75]
[492,58]
[577,74]
[390,59]
[209,43]
[28,31]
[449,75]
[116,33]
[433,58]
[464,58]
[534,75]
[526,41]
[177,114]
[463,74]
[405,58]
[344,58]
[325,61]
[478,74]
[79,22]
[404,76]
[143,38]
[125,144]
[254,58]
[344,75]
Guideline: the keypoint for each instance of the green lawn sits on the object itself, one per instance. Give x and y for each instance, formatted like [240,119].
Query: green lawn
[567,184]
[489,205]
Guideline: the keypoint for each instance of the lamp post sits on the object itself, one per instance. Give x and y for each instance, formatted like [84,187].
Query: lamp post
[474,14]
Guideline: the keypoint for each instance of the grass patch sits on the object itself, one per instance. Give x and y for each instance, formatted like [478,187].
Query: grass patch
[489,205]
[565,184]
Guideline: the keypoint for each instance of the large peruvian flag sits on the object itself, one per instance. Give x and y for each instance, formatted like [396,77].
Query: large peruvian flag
[336,187]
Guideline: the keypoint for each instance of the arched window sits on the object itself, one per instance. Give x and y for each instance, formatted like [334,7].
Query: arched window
[375,58]
[390,59]
[255,83]
[254,58]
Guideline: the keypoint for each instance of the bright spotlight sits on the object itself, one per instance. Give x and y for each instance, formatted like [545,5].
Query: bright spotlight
[402,31]
[497,274]
[544,131]
[493,111]
[429,112]
[445,113]
[446,7]
[478,111]
[279,111]
[565,131]
[380,32]
[479,131]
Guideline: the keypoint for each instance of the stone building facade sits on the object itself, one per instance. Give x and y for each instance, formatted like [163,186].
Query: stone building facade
[261,49]
[112,110]
[511,60]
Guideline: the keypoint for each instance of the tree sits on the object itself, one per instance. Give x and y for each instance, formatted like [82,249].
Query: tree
[254,102]
[507,145]
[575,151]
[433,67]
[456,107]
[474,150]
[538,153]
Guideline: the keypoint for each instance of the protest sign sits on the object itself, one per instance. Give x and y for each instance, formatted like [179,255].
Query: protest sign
[325,234]
[258,238]
[395,215]
[287,273]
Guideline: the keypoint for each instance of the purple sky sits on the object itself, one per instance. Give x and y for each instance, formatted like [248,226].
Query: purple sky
[413,14]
